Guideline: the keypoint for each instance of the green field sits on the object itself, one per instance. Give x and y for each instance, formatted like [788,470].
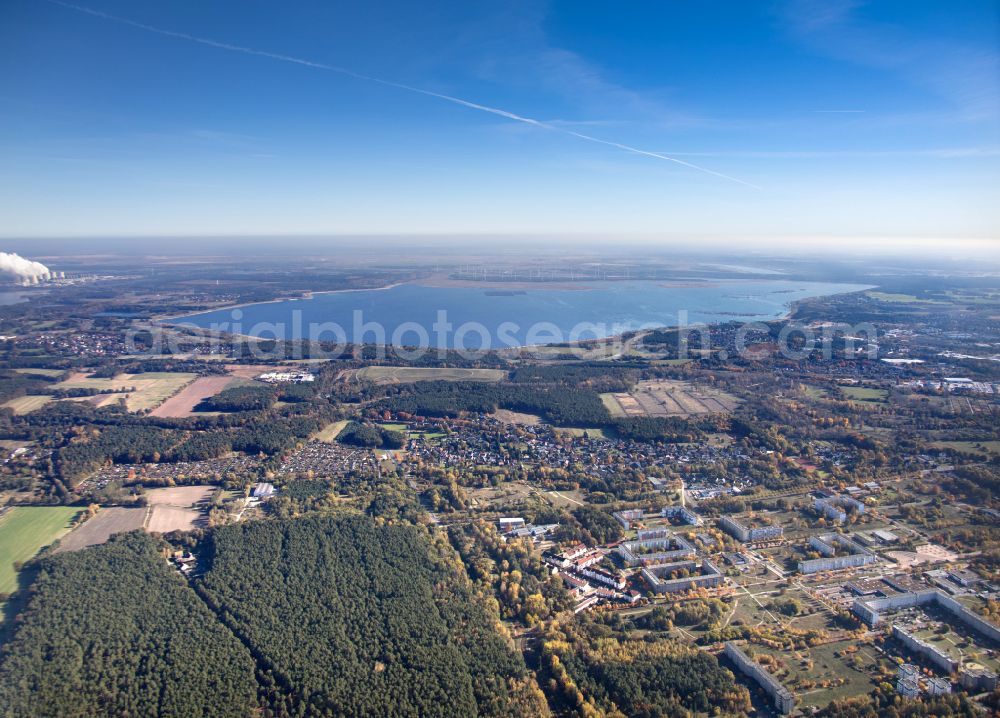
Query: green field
[613,407]
[41,372]
[330,432]
[816,392]
[393,427]
[406,374]
[827,670]
[26,529]
[862,393]
[592,433]
[982,448]
[150,389]
[26,404]
[901,298]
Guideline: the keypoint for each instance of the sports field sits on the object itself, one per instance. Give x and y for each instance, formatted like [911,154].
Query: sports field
[24,530]
[150,389]
[407,374]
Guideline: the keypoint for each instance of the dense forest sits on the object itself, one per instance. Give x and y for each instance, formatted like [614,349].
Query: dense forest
[599,670]
[372,436]
[88,448]
[113,631]
[563,406]
[348,618]
[241,398]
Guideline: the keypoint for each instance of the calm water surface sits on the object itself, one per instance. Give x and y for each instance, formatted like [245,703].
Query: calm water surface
[411,314]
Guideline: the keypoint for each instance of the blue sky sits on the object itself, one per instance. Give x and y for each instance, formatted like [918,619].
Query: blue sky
[837,118]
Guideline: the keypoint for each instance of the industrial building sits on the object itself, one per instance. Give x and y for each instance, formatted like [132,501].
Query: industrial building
[654,546]
[287,377]
[263,491]
[749,534]
[535,533]
[509,523]
[710,576]
[784,700]
[828,545]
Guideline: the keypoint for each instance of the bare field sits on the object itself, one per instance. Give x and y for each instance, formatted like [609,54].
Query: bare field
[516,417]
[164,519]
[185,496]
[330,432]
[183,403]
[406,374]
[142,391]
[177,508]
[100,528]
[669,398]
[26,404]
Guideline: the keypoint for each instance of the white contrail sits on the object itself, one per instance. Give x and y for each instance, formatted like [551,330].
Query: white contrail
[390,83]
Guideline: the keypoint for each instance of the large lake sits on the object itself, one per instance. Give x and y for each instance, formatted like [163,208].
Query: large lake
[411,314]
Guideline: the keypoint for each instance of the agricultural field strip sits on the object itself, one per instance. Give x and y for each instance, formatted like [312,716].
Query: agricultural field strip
[24,530]
[668,398]
[401,375]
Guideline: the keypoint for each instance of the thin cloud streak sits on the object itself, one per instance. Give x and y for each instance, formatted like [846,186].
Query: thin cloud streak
[941,153]
[399,86]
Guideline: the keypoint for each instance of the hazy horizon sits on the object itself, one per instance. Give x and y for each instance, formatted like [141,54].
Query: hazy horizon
[528,246]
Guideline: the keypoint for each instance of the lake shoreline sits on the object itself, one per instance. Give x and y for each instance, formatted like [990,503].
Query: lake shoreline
[545,316]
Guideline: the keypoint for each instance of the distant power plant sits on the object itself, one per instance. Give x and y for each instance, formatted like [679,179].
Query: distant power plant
[25,271]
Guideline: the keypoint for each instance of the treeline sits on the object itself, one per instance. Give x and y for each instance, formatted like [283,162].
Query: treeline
[662,428]
[598,376]
[113,631]
[15,384]
[888,705]
[348,618]
[561,406]
[511,570]
[371,435]
[241,398]
[99,446]
[979,485]
[594,669]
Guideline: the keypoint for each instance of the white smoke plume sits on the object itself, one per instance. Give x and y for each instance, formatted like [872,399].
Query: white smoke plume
[23,268]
